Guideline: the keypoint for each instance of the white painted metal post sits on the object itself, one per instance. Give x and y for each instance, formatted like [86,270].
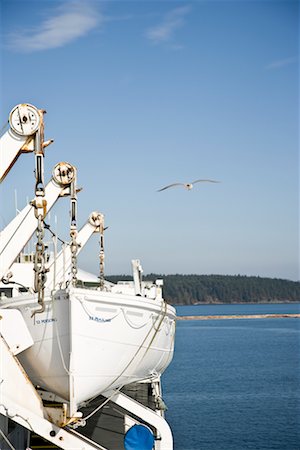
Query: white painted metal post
[149,416]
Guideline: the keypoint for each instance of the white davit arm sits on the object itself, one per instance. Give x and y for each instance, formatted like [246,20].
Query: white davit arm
[60,266]
[24,120]
[11,145]
[137,271]
[18,232]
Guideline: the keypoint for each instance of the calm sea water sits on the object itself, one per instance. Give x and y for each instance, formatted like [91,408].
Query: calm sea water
[234,384]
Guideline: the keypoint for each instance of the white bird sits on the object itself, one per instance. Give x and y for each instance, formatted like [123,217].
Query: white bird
[187,186]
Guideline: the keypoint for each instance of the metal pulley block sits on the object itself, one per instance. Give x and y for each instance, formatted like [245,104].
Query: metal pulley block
[25,119]
[64,173]
[40,207]
[96,219]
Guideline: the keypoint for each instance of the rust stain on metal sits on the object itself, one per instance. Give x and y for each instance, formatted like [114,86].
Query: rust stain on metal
[28,146]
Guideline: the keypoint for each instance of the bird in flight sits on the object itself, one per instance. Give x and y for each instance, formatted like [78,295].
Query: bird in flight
[187,186]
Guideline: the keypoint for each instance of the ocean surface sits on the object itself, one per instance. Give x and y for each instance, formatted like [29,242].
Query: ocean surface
[235,384]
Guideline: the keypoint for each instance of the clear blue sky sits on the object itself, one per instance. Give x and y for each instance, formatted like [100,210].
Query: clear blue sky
[143,94]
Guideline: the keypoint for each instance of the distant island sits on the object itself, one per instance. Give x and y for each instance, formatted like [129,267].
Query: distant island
[208,289]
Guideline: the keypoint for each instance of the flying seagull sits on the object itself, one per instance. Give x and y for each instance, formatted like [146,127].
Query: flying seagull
[187,186]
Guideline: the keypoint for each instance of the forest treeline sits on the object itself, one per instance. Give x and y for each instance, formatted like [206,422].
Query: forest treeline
[191,289]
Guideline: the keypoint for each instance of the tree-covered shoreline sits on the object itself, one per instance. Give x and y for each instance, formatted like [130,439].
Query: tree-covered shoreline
[209,289]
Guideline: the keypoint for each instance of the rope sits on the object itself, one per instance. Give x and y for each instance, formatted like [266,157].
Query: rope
[102,404]
[48,227]
[132,325]
[158,328]
[21,417]
[91,315]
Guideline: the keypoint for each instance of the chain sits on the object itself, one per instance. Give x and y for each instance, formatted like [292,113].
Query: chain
[40,211]
[74,248]
[101,255]
[73,233]
[39,263]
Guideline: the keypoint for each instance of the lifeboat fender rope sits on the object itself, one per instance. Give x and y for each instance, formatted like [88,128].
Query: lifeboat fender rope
[158,328]
[132,325]
[84,419]
[92,314]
